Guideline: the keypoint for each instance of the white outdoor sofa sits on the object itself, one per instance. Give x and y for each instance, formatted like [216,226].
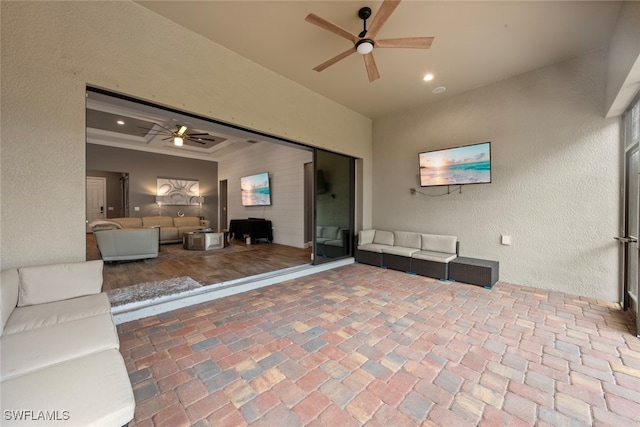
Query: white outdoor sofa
[418,253]
[60,363]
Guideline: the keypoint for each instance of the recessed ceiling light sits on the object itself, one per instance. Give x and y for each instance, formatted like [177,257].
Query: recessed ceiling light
[120,122]
[428,77]
[439,89]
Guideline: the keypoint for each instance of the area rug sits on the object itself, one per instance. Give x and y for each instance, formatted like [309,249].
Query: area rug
[148,291]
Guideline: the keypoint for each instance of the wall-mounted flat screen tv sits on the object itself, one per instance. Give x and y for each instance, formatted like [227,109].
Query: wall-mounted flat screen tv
[256,190]
[469,164]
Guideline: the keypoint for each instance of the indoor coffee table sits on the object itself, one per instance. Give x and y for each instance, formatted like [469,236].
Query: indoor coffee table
[203,240]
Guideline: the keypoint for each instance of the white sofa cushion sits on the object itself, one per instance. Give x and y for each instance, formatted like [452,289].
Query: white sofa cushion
[407,239]
[372,247]
[42,315]
[439,243]
[434,256]
[9,288]
[383,237]
[399,250]
[157,221]
[47,283]
[94,389]
[35,349]
[365,237]
[128,222]
[186,221]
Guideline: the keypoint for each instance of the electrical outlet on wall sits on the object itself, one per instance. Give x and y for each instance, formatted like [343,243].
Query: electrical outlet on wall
[505,240]
[136,208]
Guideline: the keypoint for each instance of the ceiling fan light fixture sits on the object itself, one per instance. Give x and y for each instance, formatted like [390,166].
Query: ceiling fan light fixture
[178,141]
[364,46]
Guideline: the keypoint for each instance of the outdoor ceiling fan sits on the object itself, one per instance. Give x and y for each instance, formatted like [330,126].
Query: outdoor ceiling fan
[364,43]
[180,135]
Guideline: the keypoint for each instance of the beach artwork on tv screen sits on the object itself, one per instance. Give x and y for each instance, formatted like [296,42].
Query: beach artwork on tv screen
[470,164]
[255,190]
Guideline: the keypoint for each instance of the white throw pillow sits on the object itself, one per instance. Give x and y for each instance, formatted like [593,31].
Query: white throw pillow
[365,237]
[48,283]
[383,237]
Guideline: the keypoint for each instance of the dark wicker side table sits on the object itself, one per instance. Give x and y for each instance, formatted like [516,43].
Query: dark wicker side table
[474,271]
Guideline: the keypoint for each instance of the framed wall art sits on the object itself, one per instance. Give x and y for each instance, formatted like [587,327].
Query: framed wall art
[175,191]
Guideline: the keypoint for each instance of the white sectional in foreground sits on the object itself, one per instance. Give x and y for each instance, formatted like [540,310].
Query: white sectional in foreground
[59,357]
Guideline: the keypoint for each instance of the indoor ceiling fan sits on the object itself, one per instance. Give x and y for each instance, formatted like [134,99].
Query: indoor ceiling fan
[364,42]
[179,135]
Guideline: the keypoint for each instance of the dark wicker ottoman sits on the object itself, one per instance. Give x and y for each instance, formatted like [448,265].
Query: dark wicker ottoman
[474,271]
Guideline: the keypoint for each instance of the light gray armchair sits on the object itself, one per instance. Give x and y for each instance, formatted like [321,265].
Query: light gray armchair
[127,244]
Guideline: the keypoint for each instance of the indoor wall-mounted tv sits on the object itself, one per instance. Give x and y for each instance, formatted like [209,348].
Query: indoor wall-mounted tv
[469,164]
[256,190]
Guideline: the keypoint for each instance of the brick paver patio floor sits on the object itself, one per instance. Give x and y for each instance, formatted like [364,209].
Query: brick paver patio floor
[360,345]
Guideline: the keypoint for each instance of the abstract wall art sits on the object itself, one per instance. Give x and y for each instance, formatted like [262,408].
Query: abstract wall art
[178,191]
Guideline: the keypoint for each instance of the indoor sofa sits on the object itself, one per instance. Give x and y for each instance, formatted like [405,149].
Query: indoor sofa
[418,253]
[127,243]
[171,229]
[59,349]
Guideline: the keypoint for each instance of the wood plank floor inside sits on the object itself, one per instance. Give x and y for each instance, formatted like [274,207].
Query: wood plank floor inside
[236,261]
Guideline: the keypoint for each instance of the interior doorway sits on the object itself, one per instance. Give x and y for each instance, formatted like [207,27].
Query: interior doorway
[96,199]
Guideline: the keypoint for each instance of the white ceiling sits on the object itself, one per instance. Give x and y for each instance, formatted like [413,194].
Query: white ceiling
[476,42]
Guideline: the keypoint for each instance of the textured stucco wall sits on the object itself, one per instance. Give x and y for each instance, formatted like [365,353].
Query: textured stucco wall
[52,50]
[555,176]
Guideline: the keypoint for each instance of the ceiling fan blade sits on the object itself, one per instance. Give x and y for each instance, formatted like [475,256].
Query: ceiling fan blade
[385,11]
[197,141]
[203,139]
[329,26]
[167,129]
[407,42]
[335,59]
[372,69]
[198,134]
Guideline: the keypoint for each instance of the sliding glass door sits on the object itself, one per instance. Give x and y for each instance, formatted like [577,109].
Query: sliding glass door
[631,215]
[333,206]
